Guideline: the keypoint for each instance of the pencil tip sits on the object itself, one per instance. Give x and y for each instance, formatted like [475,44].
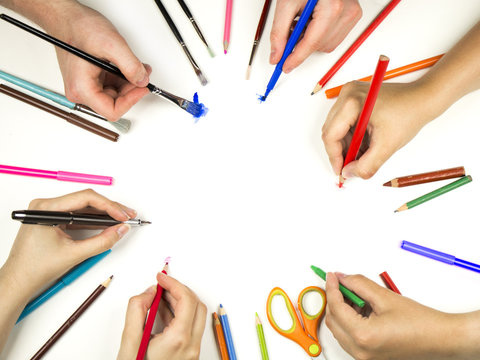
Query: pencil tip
[225,52]
[111,276]
[389,183]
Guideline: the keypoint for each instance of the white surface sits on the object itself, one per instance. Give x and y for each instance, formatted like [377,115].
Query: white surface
[245,199]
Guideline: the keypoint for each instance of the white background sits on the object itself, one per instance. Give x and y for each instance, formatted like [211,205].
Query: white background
[244,200]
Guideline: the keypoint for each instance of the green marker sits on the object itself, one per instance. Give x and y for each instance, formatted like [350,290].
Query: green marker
[348,294]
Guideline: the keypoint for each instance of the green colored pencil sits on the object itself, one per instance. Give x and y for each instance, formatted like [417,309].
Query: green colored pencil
[348,294]
[261,338]
[431,195]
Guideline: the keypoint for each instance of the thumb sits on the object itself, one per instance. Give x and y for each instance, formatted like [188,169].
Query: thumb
[367,289]
[369,163]
[103,241]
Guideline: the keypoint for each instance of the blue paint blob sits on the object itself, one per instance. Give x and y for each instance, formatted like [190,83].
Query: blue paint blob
[261,98]
[202,111]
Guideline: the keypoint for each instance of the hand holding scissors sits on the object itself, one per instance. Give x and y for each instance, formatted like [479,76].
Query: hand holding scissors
[306,335]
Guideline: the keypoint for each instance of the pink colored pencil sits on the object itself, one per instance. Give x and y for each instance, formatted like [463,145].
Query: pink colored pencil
[364,117]
[58,175]
[228,25]
[351,50]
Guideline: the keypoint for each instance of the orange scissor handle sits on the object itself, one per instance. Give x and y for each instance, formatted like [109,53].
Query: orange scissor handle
[296,332]
[311,322]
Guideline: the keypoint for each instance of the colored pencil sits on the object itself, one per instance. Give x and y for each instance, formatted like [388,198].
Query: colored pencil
[67,324]
[258,34]
[422,64]
[431,195]
[351,50]
[364,116]
[197,110]
[147,330]
[427,177]
[222,346]
[228,25]
[227,333]
[261,338]
[187,12]
[180,40]
[389,282]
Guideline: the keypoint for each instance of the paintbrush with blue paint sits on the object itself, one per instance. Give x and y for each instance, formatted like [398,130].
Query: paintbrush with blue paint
[197,110]
[292,41]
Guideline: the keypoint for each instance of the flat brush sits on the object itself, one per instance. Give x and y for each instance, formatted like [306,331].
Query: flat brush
[187,12]
[177,34]
[197,110]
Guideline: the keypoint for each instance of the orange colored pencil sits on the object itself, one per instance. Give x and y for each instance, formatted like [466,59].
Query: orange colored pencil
[422,64]
[222,345]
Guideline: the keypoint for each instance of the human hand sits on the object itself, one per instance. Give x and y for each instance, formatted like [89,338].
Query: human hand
[398,115]
[182,336]
[331,21]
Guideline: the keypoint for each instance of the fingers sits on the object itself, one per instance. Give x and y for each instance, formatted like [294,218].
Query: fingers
[101,242]
[285,12]
[199,324]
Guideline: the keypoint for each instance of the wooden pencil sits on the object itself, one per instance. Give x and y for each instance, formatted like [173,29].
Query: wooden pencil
[351,50]
[422,64]
[427,177]
[228,25]
[261,338]
[228,334]
[431,195]
[67,324]
[222,346]
[389,282]
[364,116]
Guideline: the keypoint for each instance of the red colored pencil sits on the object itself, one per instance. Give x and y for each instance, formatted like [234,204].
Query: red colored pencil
[351,50]
[389,282]
[365,113]
[147,331]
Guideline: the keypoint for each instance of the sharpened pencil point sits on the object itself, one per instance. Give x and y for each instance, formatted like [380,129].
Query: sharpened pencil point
[389,183]
[317,88]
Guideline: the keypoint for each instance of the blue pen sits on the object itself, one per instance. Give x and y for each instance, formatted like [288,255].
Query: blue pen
[297,31]
[228,334]
[439,256]
[65,280]
[123,125]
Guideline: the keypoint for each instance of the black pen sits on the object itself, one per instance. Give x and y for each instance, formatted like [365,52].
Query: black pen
[40,217]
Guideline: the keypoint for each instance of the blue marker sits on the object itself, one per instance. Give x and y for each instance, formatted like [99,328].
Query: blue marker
[307,11]
[65,280]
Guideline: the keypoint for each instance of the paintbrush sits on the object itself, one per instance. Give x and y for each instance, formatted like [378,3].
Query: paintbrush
[177,34]
[187,12]
[258,35]
[197,110]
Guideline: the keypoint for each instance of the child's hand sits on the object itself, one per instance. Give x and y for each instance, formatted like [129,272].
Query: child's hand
[182,335]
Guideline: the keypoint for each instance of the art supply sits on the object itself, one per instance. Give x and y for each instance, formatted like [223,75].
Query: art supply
[304,333]
[431,195]
[427,177]
[365,114]
[147,330]
[351,50]
[389,282]
[439,256]
[69,117]
[390,74]
[220,338]
[228,25]
[58,175]
[65,280]
[44,217]
[292,41]
[186,105]
[227,333]
[258,34]
[261,338]
[187,12]
[179,38]
[67,324]
[122,125]
[350,295]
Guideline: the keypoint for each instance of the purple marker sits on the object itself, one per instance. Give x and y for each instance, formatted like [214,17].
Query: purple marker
[439,256]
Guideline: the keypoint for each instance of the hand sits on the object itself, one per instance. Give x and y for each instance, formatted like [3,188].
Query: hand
[331,21]
[398,115]
[87,84]
[182,336]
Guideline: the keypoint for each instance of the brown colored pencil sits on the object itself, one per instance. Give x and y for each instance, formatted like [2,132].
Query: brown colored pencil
[426,177]
[71,118]
[66,325]
[222,345]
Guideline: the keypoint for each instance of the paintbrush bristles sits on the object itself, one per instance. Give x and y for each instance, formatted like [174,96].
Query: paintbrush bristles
[249,69]
[201,77]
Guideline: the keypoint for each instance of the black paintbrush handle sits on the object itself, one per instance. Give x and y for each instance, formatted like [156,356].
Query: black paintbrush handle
[185,8]
[169,21]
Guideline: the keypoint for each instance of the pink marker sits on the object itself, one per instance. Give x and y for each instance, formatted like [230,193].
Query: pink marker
[228,25]
[59,175]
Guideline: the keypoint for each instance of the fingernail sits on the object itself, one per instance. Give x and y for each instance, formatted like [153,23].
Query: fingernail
[144,81]
[122,230]
[287,70]
[339,275]
[347,172]
[131,211]
[162,274]
[272,55]
[150,289]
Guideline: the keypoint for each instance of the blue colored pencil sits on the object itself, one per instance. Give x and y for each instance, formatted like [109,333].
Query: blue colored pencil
[65,280]
[292,41]
[226,331]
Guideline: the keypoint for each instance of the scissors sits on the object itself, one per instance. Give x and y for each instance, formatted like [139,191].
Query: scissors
[306,335]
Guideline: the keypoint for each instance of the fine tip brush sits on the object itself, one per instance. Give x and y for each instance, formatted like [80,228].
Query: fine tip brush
[258,35]
[197,110]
